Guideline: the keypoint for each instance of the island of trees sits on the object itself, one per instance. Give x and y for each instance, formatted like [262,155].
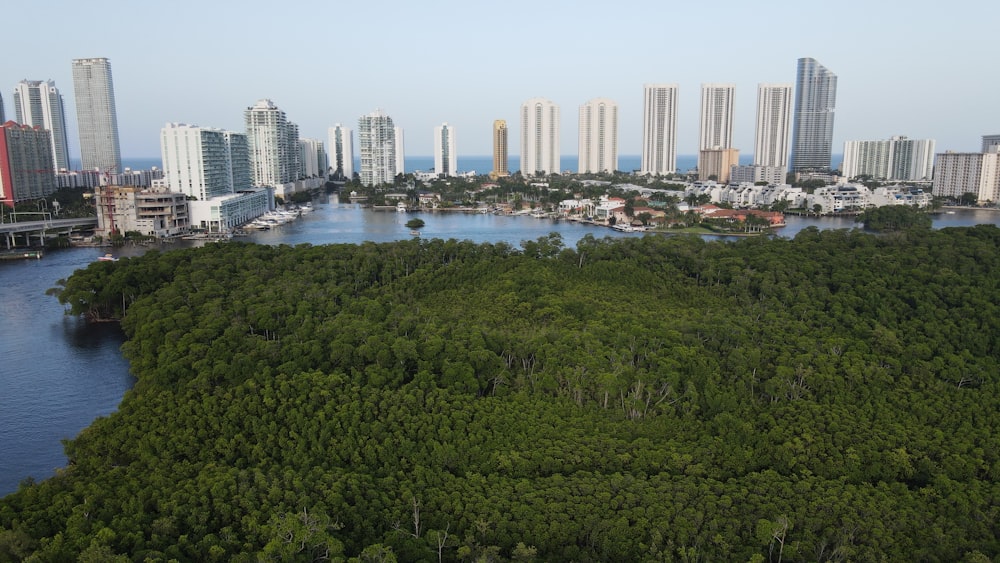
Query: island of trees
[833,397]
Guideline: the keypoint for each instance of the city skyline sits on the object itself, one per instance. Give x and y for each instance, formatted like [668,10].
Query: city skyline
[155,82]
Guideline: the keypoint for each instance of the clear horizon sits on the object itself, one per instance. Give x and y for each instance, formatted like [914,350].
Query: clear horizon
[464,64]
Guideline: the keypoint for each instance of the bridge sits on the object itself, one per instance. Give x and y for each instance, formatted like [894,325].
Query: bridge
[41,229]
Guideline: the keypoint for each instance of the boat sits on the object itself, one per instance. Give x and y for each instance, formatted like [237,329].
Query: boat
[401,207]
[415,233]
[107,258]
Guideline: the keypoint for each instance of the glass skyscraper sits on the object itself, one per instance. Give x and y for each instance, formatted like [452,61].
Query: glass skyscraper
[96,115]
[812,132]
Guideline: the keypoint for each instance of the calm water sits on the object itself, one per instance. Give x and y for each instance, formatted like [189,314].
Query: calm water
[59,373]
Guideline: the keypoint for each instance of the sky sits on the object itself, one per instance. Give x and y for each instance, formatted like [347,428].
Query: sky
[914,68]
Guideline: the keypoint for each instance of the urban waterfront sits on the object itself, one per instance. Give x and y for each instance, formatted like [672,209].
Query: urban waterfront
[59,373]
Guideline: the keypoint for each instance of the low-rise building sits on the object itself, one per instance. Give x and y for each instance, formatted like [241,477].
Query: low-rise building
[121,209]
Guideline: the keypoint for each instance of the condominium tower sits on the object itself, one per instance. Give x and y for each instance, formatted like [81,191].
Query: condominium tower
[774,113]
[898,158]
[598,136]
[26,171]
[96,115]
[377,145]
[990,141]
[40,104]
[812,130]
[342,151]
[400,151]
[203,162]
[717,102]
[659,129]
[499,149]
[956,174]
[273,144]
[312,158]
[539,137]
[445,156]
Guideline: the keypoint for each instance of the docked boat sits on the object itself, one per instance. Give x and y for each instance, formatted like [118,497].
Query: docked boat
[107,258]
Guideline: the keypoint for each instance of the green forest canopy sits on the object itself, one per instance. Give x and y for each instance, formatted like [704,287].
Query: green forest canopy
[831,397]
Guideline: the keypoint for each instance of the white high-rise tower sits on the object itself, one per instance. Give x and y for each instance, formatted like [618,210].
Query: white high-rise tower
[774,114]
[400,152]
[445,155]
[273,154]
[40,104]
[96,115]
[377,145]
[598,136]
[539,137]
[659,129]
[812,130]
[717,101]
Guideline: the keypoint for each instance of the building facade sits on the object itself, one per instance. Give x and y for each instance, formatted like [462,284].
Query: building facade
[445,154]
[400,150]
[716,164]
[539,137]
[26,170]
[659,129]
[341,151]
[312,157]
[273,155]
[40,104]
[377,147]
[774,114]
[812,130]
[956,174]
[196,161]
[499,149]
[897,158]
[717,103]
[96,115]
[130,208]
[755,173]
[598,136]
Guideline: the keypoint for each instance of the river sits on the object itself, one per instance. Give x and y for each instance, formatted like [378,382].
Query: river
[59,373]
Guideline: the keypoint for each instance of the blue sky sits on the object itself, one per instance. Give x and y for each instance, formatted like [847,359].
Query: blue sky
[916,68]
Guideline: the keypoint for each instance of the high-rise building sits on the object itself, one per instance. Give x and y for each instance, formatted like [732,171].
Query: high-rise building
[238,147]
[294,152]
[445,155]
[3,116]
[956,174]
[812,130]
[990,141]
[659,129]
[774,114]
[273,159]
[26,170]
[201,162]
[499,149]
[539,137]
[377,147]
[598,136]
[313,158]
[96,115]
[898,158]
[342,151]
[40,104]
[717,102]
[400,158]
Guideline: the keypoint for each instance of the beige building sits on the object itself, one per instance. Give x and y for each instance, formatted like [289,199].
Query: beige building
[121,209]
[717,163]
[499,149]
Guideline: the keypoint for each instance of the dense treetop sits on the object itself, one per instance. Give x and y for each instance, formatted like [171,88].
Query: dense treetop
[831,397]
